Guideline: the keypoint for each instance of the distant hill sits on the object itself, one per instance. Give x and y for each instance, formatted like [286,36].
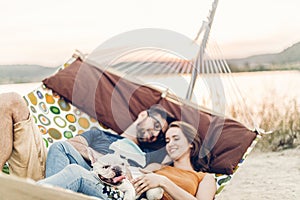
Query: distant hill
[288,59]
[24,73]
[285,60]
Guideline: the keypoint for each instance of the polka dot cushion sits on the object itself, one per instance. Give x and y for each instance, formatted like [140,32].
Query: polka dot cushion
[56,118]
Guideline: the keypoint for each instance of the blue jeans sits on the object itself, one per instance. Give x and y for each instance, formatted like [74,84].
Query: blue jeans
[77,179]
[60,155]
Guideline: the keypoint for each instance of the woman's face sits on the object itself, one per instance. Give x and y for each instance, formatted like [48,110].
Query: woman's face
[177,144]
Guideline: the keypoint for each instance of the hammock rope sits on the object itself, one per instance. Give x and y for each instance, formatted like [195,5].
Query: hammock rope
[208,67]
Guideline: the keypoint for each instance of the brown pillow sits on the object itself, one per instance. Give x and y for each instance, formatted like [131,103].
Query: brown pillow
[116,102]
[91,90]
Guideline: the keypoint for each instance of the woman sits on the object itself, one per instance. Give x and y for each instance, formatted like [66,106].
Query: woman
[181,180]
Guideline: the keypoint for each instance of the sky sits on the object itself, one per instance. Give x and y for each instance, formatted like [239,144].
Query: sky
[47,32]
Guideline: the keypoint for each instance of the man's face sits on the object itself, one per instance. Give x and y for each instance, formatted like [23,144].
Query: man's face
[150,128]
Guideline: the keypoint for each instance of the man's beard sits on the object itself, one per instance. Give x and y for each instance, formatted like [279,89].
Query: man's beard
[155,145]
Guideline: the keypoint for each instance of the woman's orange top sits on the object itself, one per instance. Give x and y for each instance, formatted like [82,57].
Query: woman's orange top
[186,179]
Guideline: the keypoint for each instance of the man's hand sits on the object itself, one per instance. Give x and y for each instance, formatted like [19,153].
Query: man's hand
[130,132]
[142,116]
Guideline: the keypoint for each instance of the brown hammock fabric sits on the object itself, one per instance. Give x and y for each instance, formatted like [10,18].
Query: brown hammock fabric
[115,102]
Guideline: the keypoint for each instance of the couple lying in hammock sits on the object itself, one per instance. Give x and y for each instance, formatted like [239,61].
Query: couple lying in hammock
[68,164]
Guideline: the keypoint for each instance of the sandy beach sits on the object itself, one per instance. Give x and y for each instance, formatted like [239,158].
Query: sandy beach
[264,176]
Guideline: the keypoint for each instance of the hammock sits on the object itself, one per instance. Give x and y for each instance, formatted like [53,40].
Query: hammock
[61,113]
[83,95]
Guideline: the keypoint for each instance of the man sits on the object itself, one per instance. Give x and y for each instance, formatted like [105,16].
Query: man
[147,131]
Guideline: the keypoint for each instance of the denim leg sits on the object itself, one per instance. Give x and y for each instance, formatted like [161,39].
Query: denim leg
[60,155]
[77,179]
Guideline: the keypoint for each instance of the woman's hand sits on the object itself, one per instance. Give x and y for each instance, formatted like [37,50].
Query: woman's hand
[146,182]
